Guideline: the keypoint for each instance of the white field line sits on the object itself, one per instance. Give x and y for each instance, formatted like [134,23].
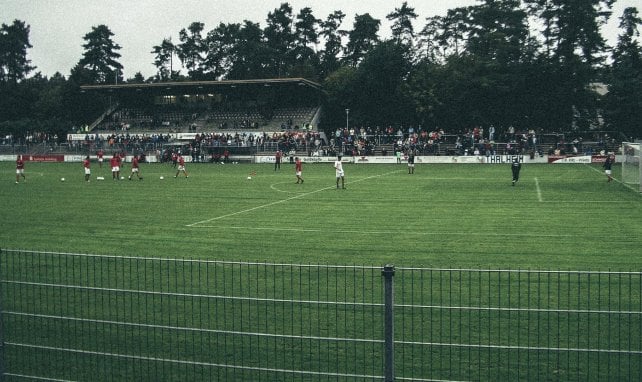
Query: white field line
[590,201]
[369,232]
[619,181]
[539,191]
[285,200]
[273,187]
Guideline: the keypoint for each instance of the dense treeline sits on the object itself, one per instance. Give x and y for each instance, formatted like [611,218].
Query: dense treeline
[532,64]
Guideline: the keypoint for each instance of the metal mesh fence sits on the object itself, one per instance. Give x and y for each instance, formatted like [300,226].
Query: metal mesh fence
[79,317]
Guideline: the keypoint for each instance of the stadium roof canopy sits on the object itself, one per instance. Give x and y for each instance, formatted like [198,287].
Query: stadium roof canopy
[204,87]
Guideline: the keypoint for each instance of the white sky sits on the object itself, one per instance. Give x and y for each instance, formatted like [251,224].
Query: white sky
[58,26]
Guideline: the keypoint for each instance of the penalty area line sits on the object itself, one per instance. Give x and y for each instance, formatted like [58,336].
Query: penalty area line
[614,179]
[539,191]
[284,200]
[387,232]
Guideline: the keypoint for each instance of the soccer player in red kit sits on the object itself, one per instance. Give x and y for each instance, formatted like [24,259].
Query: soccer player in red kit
[100,155]
[181,166]
[87,166]
[298,170]
[135,168]
[114,162]
[20,169]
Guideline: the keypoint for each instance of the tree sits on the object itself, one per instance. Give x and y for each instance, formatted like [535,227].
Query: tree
[221,42]
[623,103]
[402,29]
[163,60]
[333,46]
[137,79]
[379,82]
[362,38]
[250,55]
[342,93]
[100,57]
[456,95]
[544,11]
[306,34]
[575,52]
[497,31]
[192,49]
[444,36]
[14,42]
[279,39]
[428,46]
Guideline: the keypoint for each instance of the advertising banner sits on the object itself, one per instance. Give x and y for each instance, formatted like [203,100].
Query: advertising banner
[43,158]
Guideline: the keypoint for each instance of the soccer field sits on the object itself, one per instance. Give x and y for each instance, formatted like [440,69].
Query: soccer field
[459,216]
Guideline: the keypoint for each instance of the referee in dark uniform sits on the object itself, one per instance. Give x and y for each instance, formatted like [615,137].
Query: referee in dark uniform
[515,167]
[411,161]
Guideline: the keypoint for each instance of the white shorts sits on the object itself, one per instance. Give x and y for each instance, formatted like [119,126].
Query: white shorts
[298,173]
[134,169]
[100,160]
[20,171]
[607,172]
[411,165]
[181,168]
[340,173]
[115,169]
[87,171]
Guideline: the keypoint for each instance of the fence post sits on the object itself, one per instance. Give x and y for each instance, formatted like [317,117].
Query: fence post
[389,346]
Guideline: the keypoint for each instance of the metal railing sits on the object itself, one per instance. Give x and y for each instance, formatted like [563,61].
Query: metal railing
[76,317]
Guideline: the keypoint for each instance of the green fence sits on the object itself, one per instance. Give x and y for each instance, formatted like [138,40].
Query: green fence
[73,317]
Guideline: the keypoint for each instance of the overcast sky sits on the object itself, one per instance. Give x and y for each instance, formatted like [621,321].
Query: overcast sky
[58,26]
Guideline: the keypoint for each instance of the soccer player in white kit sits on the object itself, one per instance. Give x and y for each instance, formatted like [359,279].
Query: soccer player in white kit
[338,166]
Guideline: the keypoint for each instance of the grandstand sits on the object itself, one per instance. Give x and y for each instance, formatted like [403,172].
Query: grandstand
[234,114]
[206,106]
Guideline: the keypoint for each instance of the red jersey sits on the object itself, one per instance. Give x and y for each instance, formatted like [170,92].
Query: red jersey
[135,162]
[278,156]
[86,163]
[20,164]
[114,162]
[298,166]
[181,161]
[100,154]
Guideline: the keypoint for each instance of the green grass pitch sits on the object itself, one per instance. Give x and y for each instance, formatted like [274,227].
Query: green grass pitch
[459,216]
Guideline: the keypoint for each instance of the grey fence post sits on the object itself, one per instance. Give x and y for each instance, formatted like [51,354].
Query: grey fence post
[389,297]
